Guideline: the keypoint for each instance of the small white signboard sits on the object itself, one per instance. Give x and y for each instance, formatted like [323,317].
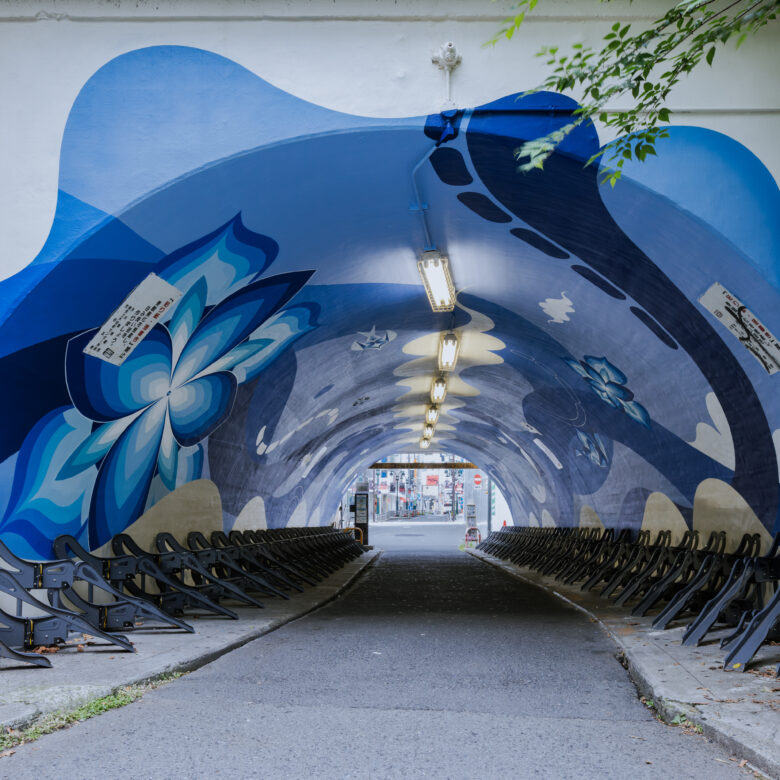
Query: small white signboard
[127,327]
[744,325]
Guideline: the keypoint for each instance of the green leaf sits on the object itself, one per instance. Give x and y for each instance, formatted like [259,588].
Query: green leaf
[663,115]
[710,55]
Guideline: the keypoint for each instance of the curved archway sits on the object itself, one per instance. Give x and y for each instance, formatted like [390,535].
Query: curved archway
[596,377]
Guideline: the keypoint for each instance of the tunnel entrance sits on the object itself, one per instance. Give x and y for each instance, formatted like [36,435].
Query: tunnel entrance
[408,490]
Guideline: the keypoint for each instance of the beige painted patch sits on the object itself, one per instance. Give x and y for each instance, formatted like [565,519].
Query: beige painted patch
[532,521]
[718,507]
[547,520]
[661,514]
[252,516]
[300,515]
[195,506]
[589,518]
[715,440]
[776,440]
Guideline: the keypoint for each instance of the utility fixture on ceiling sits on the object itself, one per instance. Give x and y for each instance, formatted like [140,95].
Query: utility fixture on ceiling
[427,431]
[435,272]
[432,414]
[425,443]
[449,348]
[439,389]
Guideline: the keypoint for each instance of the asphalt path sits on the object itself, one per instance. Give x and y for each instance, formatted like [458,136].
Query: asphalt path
[432,664]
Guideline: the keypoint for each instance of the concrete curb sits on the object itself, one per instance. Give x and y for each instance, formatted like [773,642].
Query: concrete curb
[723,704]
[75,679]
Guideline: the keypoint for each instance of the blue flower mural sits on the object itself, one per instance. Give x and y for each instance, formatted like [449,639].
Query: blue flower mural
[593,448]
[149,415]
[608,383]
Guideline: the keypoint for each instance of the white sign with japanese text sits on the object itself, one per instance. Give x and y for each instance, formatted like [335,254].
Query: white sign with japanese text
[753,334]
[127,327]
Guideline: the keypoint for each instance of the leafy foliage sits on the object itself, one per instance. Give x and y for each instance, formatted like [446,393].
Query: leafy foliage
[645,65]
[55,721]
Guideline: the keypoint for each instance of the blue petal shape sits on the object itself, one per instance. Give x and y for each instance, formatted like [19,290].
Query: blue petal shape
[104,392]
[616,392]
[575,365]
[606,370]
[94,447]
[239,354]
[198,407]
[41,506]
[190,464]
[233,320]
[168,459]
[186,316]
[228,259]
[636,412]
[280,331]
[125,476]
[601,392]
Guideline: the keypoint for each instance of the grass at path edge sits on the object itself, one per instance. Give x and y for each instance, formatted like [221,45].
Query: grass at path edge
[55,721]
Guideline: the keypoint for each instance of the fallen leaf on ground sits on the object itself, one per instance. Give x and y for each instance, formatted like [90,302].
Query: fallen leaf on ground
[46,649]
[743,762]
[6,753]
[79,648]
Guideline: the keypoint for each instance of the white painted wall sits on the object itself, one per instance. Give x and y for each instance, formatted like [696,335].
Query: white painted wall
[367,57]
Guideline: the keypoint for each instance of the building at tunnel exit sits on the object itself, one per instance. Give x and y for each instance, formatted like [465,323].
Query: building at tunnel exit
[258,186]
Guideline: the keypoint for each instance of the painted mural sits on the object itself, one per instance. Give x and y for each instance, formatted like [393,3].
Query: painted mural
[593,385]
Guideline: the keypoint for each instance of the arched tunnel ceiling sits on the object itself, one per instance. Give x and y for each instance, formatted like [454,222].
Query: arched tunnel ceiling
[591,378]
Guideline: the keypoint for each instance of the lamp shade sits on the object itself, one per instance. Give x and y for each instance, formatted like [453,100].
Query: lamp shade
[439,389]
[449,347]
[435,273]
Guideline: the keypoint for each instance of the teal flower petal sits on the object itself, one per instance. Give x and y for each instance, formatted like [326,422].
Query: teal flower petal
[168,458]
[199,407]
[94,447]
[186,316]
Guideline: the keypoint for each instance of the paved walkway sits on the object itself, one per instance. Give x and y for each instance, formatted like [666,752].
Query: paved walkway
[432,665]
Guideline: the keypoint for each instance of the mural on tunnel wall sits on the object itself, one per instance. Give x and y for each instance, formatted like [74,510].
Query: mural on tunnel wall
[593,386]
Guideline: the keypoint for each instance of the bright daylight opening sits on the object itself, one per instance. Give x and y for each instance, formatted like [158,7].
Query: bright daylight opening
[421,488]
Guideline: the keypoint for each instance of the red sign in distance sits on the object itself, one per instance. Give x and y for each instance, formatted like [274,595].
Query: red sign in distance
[477,480]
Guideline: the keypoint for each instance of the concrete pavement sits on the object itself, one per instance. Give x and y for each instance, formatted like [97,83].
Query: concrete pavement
[432,664]
[76,678]
[741,711]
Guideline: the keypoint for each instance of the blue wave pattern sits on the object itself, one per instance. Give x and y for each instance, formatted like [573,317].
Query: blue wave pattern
[88,470]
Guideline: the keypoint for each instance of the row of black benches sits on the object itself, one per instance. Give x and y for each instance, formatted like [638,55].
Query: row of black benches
[708,586]
[84,594]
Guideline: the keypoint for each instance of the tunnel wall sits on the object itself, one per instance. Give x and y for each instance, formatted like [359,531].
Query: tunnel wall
[594,385]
